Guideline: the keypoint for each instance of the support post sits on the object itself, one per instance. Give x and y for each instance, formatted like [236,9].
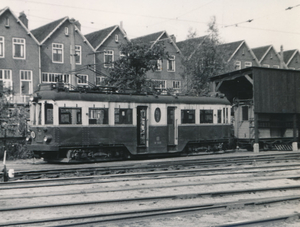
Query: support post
[256,144]
[295,141]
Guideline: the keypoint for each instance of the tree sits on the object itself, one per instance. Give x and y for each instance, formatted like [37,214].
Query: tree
[129,71]
[204,58]
[13,125]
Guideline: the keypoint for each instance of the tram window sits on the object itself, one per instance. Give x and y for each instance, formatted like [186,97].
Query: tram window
[98,116]
[187,116]
[245,113]
[70,116]
[206,116]
[123,116]
[219,116]
[48,113]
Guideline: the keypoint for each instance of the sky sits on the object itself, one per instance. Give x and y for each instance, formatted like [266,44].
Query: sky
[258,22]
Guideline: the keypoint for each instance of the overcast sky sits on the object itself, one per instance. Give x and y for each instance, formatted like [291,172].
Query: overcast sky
[271,22]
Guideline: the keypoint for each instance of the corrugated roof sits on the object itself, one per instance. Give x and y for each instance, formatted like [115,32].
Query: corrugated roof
[42,32]
[259,52]
[97,37]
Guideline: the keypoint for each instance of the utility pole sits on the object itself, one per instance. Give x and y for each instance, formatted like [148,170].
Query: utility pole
[73,78]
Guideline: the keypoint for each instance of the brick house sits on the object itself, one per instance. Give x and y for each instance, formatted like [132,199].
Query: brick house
[239,55]
[19,54]
[56,41]
[170,73]
[268,57]
[292,59]
[106,43]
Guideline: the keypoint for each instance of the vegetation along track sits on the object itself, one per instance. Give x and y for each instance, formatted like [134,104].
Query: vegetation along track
[152,165]
[219,197]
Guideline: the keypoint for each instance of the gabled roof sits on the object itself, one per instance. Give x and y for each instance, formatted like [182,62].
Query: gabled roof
[97,38]
[43,32]
[261,52]
[231,48]
[189,46]
[2,11]
[154,38]
[288,55]
[192,41]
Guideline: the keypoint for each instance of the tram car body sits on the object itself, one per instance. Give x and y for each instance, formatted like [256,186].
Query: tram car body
[69,126]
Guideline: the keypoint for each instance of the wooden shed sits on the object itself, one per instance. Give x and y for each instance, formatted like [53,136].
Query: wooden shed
[266,106]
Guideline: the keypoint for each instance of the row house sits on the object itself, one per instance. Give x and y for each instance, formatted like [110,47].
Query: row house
[56,41]
[169,75]
[291,59]
[19,51]
[106,43]
[268,57]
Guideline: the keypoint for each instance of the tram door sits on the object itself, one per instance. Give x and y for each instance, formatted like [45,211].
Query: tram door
[142,126]
[171,125]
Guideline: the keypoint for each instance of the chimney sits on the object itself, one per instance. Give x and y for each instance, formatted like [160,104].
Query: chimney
[78,25]
[281,57]
[24,19]
[122,29]
[173,38]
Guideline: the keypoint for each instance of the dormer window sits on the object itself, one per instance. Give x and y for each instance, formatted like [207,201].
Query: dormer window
[116,38]
[66,31]
[7,22]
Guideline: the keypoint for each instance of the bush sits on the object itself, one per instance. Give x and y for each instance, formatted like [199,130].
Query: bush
[15,149]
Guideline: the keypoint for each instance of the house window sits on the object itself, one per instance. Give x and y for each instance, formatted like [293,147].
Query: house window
[123,116]
[159,65]
[98,116]
[159,84]
[5,80]
[116,38]
[176,84]
[171,64]
[238,65]
[78,55]
[121,54]
[66,31]
[18,48]
[187,116]
[206,116]
[276,66]
[55,77]
[266,65]
[69,116]
[6,22]
[108,58]
[100,80]
[57,53]
[245,111]
[25,82]
[1,47]
[248,64]
[82,79]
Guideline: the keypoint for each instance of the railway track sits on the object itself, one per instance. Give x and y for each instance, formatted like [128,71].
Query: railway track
[152,165]
[220,196]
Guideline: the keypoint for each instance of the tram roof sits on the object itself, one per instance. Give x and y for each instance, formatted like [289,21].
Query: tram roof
[115,97]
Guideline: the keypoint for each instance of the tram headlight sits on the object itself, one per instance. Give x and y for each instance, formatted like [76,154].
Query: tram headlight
[47,139]
[28,139]
[32,134]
